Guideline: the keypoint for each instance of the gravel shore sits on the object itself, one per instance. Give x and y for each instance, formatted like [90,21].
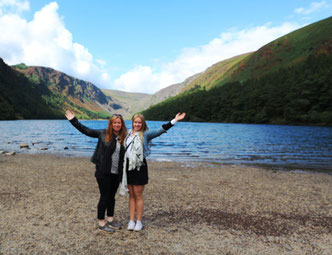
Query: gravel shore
[48,206]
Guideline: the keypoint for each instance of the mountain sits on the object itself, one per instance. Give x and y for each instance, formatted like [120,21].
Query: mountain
[284,52]
[288,81]
[214,74]
[21,98]
[61,91]
[257,87]
[129,101]
[34,92]
[136,102]
[169,91]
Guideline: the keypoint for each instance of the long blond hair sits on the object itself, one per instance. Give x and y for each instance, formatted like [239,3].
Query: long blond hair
[109,129]
[144,125]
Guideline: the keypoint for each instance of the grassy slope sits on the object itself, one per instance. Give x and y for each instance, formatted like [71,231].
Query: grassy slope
[17,105]
[215,74]
[286,51]
[83,98]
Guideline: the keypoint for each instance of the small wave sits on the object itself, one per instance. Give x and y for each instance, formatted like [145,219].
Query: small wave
[161,160]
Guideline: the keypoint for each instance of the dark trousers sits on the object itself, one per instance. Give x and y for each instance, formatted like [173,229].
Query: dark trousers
[108,185]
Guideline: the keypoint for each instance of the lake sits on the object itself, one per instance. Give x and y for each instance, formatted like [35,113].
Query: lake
[272,146]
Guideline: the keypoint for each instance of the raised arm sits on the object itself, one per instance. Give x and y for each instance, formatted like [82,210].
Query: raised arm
[80,127]
[157,132]
[180,116]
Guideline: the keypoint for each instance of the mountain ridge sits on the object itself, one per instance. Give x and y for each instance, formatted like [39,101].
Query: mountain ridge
[312,39]
[287,81]
[57,91]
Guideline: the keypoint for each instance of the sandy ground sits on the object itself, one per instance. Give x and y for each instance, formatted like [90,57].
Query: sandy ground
[48,206]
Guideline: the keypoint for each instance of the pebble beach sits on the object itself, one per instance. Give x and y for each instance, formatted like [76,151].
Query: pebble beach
[48,206]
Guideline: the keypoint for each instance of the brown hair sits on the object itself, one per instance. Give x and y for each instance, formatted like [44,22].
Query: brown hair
[109,130]
[144,125]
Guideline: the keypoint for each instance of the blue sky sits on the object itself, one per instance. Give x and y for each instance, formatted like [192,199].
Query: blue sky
[143,46]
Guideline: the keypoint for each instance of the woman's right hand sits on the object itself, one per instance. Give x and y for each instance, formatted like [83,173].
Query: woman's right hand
[69,115]
[180,116]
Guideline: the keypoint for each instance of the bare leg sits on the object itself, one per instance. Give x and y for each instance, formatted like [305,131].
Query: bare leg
[132,206]
[139,202]
[101,223]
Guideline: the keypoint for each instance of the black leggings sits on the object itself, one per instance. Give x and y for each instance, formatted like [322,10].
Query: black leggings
[108,185]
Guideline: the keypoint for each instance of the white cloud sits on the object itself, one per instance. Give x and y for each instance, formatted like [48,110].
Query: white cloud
[45,41]
[195,60]
[8,6]
[139,79]
[315,6]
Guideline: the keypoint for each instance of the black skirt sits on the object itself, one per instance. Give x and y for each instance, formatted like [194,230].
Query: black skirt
[139,177]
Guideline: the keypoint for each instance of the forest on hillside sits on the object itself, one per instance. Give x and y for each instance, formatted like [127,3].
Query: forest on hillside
[29,97]
[21,99]
[300,95]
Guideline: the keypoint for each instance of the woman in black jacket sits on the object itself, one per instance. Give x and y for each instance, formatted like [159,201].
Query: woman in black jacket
[108,157]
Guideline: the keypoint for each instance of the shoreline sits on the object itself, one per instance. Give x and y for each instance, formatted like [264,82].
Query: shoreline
[48,206]
[265,166]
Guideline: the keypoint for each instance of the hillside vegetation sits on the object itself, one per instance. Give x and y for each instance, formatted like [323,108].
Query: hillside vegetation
[288,81]
[296,95]
[215,74]
[83,98]
[284,52]
[21,99]
[32,92]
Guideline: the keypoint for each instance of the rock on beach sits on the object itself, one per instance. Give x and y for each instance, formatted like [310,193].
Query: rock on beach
[48,206]
[10,153]
[24,145]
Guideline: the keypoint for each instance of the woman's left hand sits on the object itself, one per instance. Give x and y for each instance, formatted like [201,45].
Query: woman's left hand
[180,116]
[69,115]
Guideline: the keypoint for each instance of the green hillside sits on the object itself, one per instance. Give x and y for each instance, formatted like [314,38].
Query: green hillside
[215,74]
[27,105]
[288,81]
[300,95]
[44,93]
[60,91]
[286,51]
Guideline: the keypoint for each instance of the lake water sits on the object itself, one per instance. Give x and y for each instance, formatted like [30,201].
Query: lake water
[273,146]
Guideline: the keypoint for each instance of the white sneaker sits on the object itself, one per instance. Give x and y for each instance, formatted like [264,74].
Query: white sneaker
[138,226]
[131,225]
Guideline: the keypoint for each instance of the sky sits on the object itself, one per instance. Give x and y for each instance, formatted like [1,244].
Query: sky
[144,46]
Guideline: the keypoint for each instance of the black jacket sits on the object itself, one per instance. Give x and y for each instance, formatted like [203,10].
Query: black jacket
[102,155]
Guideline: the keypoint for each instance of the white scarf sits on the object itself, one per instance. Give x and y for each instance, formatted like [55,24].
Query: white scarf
[135,160]
[136,153]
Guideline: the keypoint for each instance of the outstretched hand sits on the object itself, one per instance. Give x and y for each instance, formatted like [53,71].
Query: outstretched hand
[69,115]
[180,116]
